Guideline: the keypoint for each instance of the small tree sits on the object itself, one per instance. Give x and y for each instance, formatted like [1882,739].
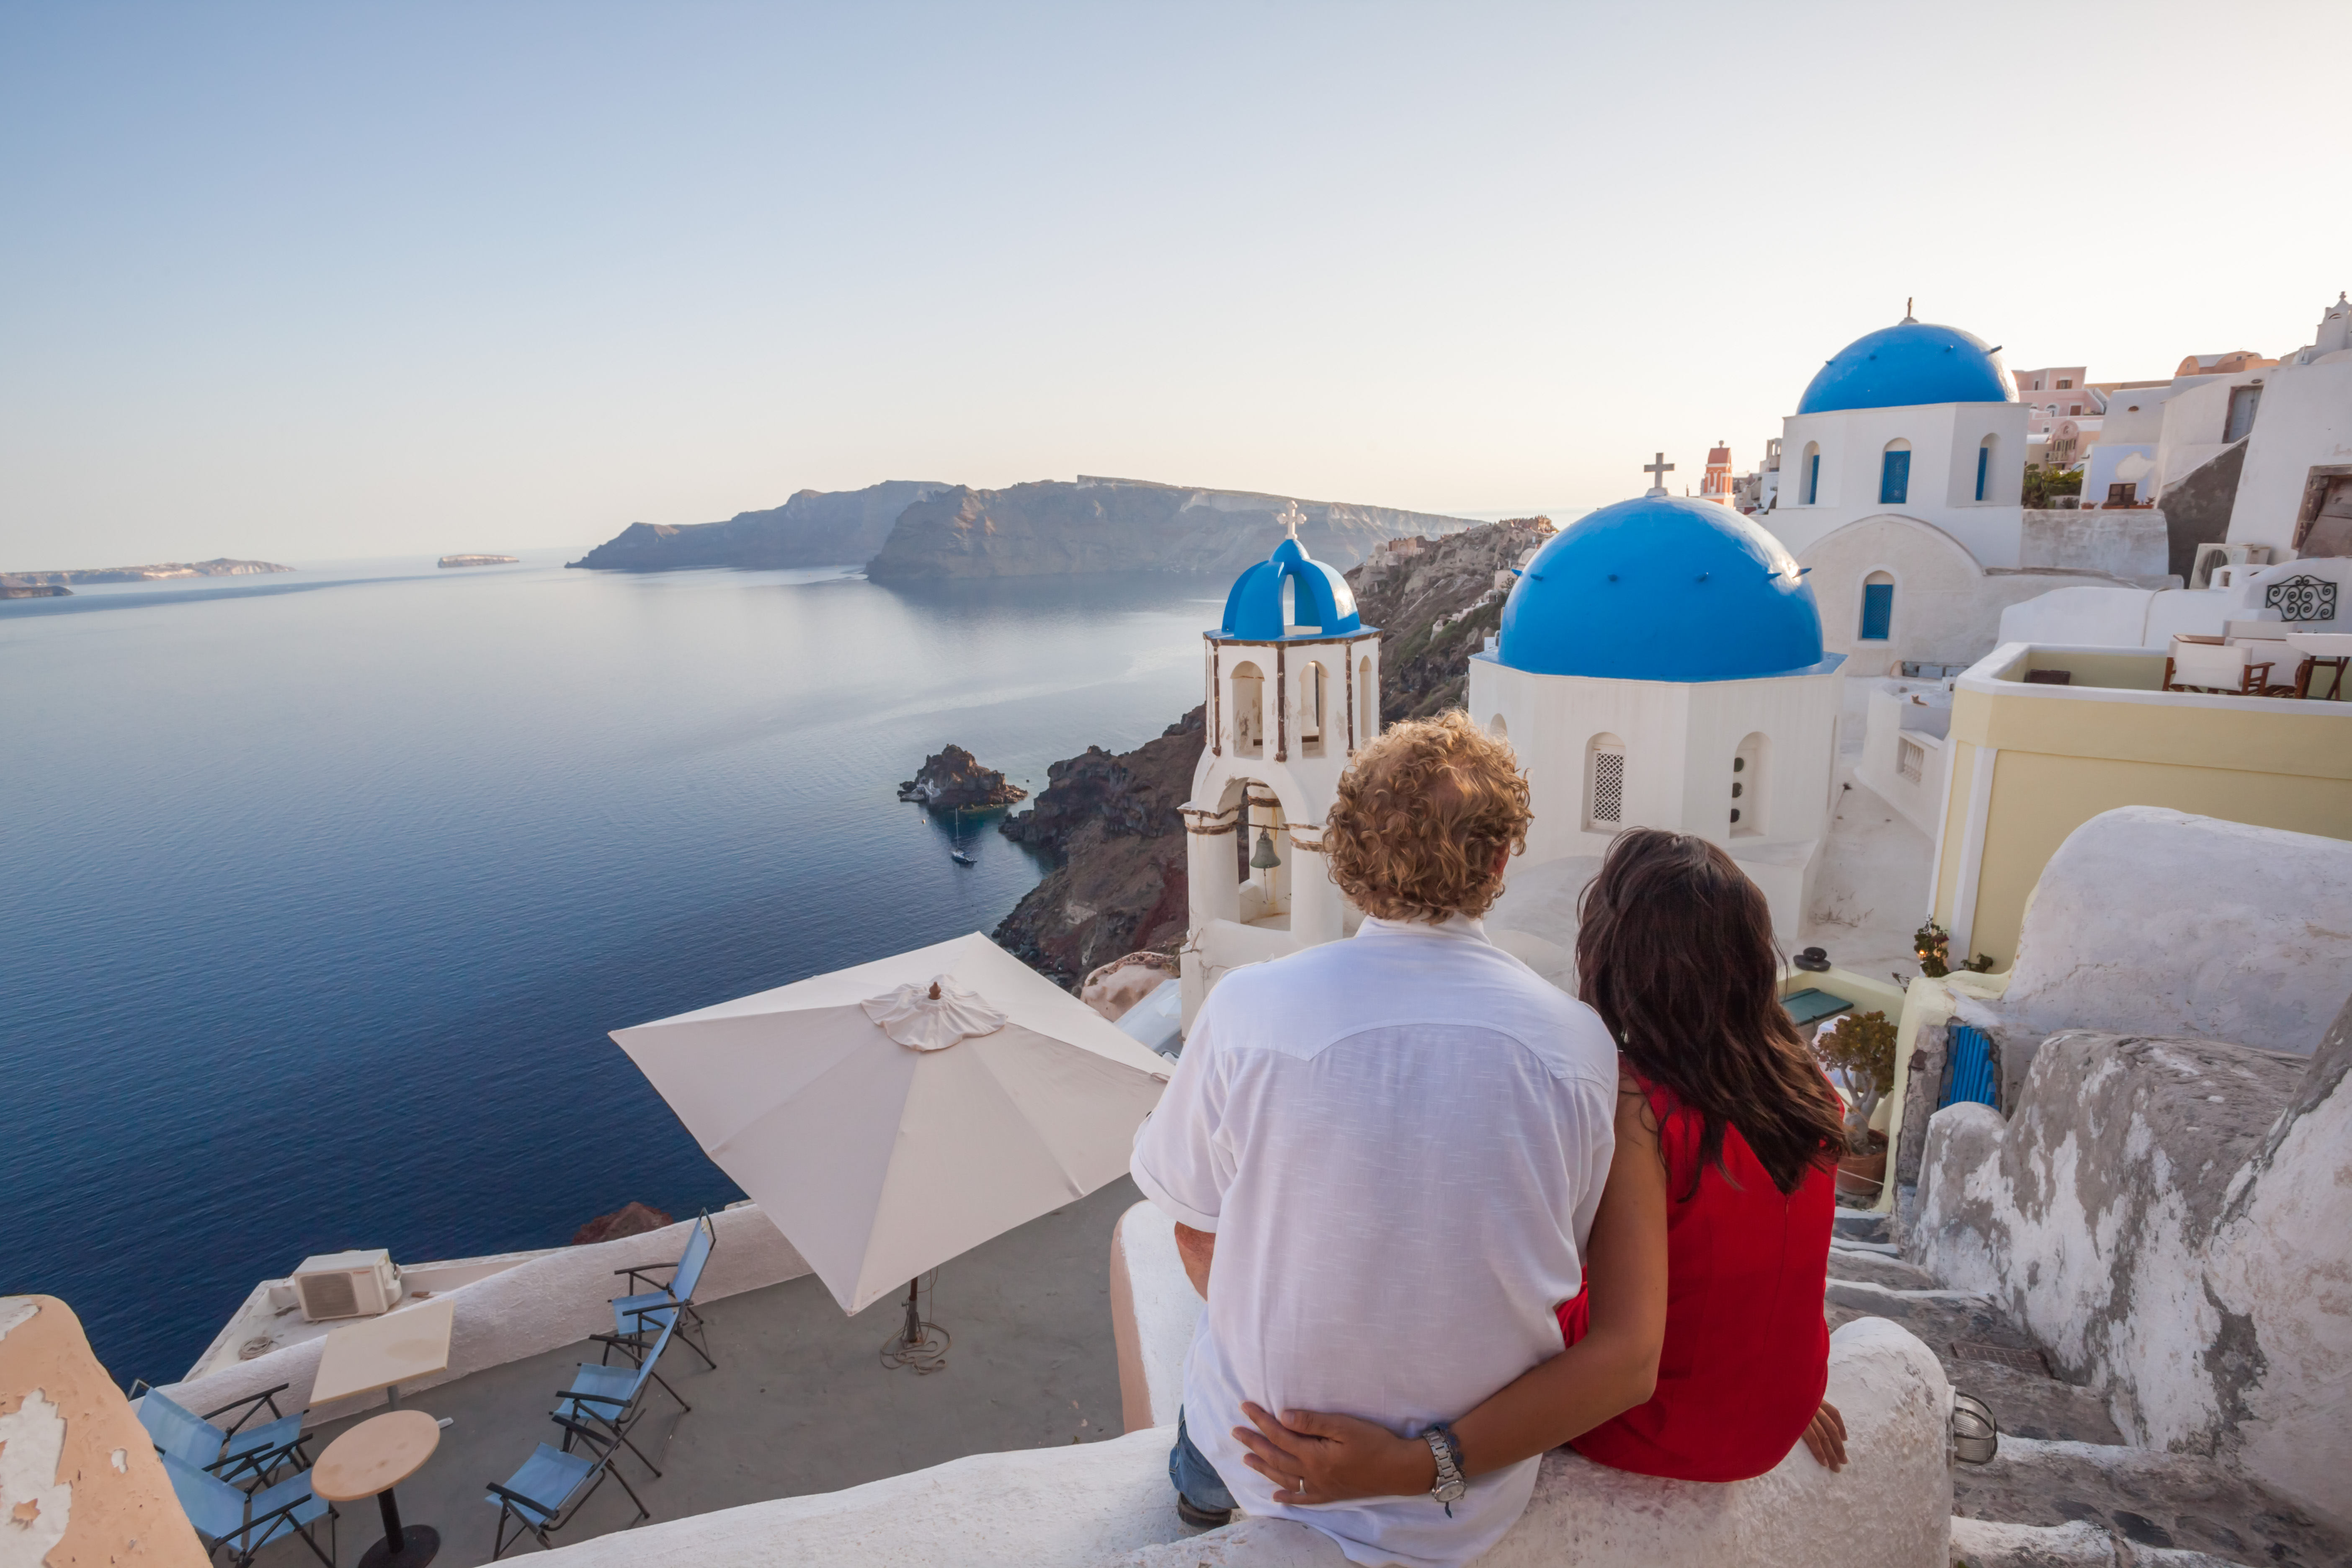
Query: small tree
[1862,1046]
[2046,481]
[1932,943]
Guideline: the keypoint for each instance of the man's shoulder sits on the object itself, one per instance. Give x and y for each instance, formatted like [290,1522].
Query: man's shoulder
[1305,1000]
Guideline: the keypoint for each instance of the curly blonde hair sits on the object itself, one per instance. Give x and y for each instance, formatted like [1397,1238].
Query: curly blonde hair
[1421,812]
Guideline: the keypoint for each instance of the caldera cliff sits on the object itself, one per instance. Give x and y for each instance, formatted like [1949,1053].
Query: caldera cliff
[1109,824]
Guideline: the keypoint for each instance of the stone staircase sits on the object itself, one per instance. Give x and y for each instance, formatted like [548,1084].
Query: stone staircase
[2066,1491]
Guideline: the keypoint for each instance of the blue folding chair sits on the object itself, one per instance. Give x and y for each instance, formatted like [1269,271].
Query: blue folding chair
[248,1457]
[552,1486]
[610,1400]
[245,1522]
[649,1311]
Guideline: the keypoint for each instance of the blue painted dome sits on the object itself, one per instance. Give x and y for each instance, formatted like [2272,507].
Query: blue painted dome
[1905,364]
[1322,605]
[1663,588]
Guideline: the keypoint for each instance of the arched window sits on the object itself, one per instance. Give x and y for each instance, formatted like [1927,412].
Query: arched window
[1497,728]
[1367,700]
[1747,773]
[1289,601]
[1895,473]
[1877,609]
[1604,784]
[1811,472]
[1249,710]
[1984,467]
[1313,684]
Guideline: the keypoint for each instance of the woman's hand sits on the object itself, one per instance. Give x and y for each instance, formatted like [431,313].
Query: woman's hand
[1312,1457]
[1825,1437]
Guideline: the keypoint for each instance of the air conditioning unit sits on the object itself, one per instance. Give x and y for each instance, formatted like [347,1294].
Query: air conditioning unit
[360,1284]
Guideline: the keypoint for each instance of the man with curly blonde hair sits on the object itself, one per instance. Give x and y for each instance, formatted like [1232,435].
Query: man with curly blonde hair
[1383,1156]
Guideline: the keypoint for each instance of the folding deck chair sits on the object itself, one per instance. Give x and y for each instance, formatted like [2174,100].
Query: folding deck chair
[609,1401]
[649,1311]
[247,1459]
[245,1522]
[552,1486]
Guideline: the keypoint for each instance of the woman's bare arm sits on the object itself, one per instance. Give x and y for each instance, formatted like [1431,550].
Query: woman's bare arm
[1316,1457]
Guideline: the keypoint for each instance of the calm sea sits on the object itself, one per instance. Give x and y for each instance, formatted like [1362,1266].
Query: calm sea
[318,893]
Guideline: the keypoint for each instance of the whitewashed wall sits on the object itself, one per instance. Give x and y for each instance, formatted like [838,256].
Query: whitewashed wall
[1944,439]
[558,1298]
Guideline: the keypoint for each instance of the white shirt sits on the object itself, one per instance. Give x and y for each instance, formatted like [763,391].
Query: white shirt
[1399,1140]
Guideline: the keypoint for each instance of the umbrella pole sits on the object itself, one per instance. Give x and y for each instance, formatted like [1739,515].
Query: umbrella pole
[919,1345]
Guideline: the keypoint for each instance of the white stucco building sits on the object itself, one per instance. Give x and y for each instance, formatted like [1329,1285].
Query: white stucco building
[1659,665]
[1914,420]
[1293,683]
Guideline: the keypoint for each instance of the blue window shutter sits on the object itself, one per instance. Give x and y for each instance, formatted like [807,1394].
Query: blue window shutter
[1812,479]
[1877,611]
[1984,461]
[1894,479]
[1971,1079]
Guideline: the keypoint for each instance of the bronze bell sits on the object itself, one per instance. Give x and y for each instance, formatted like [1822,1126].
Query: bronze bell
[1263,858]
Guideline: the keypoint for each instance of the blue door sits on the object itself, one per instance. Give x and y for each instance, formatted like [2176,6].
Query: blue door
[1812,479]
[1877,611]
[1894,479]
[1984,461]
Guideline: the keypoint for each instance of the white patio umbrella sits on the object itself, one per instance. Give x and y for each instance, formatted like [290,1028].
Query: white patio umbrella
[886,1126]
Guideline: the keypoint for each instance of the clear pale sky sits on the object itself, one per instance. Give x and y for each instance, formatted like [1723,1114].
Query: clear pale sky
[310,282]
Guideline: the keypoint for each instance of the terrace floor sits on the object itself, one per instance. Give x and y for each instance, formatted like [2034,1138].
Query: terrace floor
[800,1402]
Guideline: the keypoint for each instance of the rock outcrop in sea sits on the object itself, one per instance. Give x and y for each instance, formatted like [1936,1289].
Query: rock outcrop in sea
[1109,825]
[954,780]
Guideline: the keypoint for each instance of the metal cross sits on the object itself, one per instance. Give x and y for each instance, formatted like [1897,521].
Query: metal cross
[1658,470]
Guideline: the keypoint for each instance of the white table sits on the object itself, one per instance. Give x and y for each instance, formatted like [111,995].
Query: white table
[404,1344]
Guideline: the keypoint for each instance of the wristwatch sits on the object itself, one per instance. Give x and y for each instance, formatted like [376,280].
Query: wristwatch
[1447,1450]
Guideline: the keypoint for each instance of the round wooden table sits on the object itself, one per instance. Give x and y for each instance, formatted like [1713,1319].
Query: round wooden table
[371,1459]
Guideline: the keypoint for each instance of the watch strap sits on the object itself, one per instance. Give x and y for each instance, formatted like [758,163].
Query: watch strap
[1447,1450]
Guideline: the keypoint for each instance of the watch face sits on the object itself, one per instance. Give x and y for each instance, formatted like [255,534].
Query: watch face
[1451,1492]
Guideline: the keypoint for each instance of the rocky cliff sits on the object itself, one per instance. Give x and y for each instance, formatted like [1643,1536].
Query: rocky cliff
[1108,825]
[816,528]
[1436,601]
[1124,525]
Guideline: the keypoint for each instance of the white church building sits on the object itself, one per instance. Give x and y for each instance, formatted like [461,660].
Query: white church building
[1293,689]
[1901,484]
[1660,664]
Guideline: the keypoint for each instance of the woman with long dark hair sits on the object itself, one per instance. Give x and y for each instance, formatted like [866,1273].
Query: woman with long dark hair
[1698,1347]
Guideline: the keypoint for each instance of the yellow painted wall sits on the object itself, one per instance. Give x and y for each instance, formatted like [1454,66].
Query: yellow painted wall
[2063,760]
[1956,826]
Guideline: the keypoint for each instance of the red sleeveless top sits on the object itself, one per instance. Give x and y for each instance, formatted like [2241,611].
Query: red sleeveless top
[1747,1349]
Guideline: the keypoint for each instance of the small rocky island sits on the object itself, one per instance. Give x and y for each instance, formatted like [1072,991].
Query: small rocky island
[158,572]
[479,560]
[954,780]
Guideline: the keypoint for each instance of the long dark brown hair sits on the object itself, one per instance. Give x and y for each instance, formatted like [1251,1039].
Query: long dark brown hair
[1675,951]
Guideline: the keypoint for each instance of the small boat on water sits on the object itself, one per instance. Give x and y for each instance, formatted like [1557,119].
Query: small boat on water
[960,859]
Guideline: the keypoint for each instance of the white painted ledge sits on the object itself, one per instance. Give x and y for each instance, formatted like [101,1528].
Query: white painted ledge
[558,1298]
[1109,1503]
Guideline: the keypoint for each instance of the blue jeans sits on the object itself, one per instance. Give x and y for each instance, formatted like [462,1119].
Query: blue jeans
[1195,1479]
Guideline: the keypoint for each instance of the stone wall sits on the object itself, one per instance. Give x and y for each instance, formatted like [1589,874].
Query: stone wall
[2126,542]
[2149,921]
[2172,1220]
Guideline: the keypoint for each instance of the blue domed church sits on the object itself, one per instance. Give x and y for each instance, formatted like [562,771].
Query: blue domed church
[1914,420]
[1659,665]
[1291,683]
